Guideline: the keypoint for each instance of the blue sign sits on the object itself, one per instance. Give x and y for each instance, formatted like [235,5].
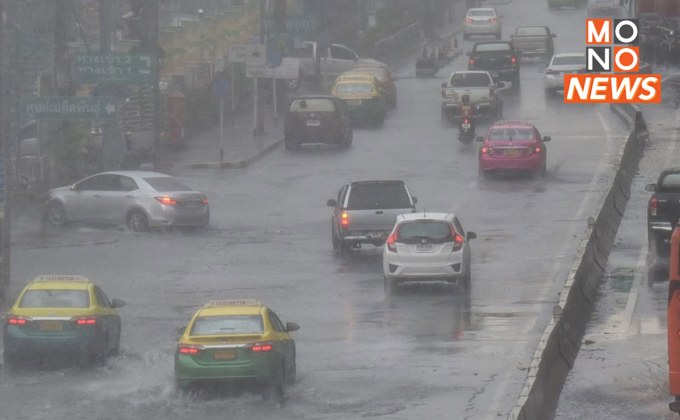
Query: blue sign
[221,88]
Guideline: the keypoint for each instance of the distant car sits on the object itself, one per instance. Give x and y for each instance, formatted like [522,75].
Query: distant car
[317,119]
[139,199]
[59,316]
[364,212]
[385,81]
[427,247]
[559,65]
[482,21]
[511,146]
[362,99]
[499,58]
[236,342]
[603,7]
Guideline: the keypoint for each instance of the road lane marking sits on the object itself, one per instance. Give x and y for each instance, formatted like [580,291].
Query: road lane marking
[603,166]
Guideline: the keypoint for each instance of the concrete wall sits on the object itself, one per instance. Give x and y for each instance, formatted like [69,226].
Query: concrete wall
[561,340]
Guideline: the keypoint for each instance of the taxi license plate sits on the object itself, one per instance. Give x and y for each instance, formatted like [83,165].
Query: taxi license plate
[510,152]
[51,325]
[224,354]
[190,205]
[466,126]
[313,123]
[354,102]
[423,247]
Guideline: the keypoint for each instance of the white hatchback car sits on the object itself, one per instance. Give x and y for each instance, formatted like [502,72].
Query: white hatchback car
[561,64]
[482,21]
[603,7]
[427,247]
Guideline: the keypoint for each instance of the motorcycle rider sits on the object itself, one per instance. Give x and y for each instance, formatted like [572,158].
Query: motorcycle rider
[466,112]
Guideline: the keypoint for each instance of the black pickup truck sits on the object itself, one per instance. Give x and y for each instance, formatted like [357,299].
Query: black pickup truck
[498,58]
[663,213]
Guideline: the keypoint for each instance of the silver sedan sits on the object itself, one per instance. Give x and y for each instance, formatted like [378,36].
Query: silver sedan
[138,199]
[482,21]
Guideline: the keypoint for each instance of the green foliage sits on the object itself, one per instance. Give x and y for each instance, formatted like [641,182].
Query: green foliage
[69,150]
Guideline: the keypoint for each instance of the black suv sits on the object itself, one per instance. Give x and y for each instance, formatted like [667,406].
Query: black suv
[365,212]
[498,58]
[317,119]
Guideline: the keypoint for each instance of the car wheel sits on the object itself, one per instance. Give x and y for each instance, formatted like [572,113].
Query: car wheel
[466,281]
[349,140]
[335,240]
[292,371]
[516,81]
[56,214]
[484,174]
[390,285]
[116,349]
[137,221]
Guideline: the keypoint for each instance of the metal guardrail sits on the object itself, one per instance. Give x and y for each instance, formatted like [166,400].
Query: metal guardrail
[396,46]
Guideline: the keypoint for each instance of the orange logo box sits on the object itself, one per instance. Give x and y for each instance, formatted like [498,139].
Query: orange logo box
[612,88]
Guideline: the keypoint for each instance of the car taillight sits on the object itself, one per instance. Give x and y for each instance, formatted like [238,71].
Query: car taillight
[168,201]
[466,121]
[391,242]
[492,20]
[486,150]
[204,200]
[17,320]
[513,60]
[85,320]
[468,20]
[653,205]
[537,149]
[471,63]
[344,219]
[189,349]
[457,240]
[262,347]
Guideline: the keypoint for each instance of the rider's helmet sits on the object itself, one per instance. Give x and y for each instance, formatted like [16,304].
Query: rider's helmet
[465,99]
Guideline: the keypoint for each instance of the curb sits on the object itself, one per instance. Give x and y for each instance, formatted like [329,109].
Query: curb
[239,164]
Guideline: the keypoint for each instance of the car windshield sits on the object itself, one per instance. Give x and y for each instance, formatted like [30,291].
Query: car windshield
[378,196]
[431,230]
[470,79]
[353,88]
[312,105]
[492,47]
[480,12]
[563,60]
[55,298]
[379,74]
[228,324]
[167,183]
[671,182]
[531,30]
[508,134]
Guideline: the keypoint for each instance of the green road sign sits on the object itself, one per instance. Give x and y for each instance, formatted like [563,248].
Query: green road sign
[69,108]
[124,69]
[294,24]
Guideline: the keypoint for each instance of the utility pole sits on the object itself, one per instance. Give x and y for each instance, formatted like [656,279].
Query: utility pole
[259,124]
[111,155]
[156,50]
[6,155]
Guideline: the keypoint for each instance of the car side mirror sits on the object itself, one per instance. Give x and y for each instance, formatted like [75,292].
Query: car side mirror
[180,330]
[332,203]
[117,303]
[500,84]
[443,85]
[292,326]
[650,187]
[479,139]
[415,199]
[471,235]
[546,65]
[546,138]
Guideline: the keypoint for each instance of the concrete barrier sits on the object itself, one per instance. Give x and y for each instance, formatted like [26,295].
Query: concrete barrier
[561,340]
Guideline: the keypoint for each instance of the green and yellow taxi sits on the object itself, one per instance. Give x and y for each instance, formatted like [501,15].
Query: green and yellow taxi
[362,97]
[61,316]
[240,342]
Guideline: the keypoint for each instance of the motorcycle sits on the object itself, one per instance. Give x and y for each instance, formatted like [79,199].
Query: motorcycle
[466,126]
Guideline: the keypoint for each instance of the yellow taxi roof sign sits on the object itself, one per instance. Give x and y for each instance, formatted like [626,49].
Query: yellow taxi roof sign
[233,302]
[61,278]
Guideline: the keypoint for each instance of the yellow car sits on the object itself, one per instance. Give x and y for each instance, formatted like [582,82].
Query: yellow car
[362,98]
[61,316]
[239,342]
[384,78]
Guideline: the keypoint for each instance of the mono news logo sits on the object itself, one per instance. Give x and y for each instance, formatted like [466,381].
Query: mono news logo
[612,67]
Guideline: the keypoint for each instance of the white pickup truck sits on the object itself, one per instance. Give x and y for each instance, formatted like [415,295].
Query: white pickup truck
[333,61]
[479,86]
